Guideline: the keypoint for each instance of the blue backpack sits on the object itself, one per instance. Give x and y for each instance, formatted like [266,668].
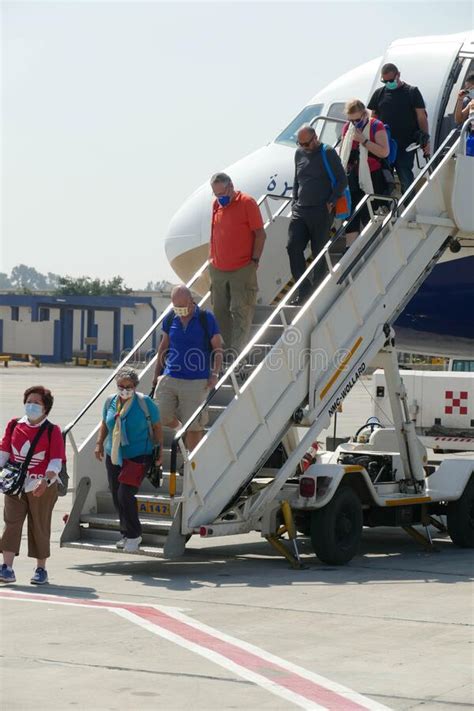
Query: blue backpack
[392,144]
[343,207]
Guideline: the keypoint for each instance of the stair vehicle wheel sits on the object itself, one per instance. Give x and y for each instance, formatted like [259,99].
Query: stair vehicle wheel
[461,517]
[303,523]
[336,528]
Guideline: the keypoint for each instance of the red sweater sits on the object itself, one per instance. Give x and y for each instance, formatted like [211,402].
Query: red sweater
[47,448]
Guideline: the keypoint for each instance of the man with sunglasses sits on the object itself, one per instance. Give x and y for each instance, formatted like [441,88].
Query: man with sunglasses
[402,108]
[314,198]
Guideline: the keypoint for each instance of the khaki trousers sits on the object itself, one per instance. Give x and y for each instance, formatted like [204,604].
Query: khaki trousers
[234,295]
[39,511]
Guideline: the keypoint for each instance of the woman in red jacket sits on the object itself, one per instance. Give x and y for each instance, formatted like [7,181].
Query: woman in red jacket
[39,492]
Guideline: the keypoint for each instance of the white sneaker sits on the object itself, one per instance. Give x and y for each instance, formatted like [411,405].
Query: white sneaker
[132,544]
[121,544]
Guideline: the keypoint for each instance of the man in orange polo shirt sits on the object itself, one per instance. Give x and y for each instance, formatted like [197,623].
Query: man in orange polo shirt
[237,239]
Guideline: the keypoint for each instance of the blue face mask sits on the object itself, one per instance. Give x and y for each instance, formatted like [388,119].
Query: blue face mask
[33,411]
[391,85]
[223,200]
[360,123]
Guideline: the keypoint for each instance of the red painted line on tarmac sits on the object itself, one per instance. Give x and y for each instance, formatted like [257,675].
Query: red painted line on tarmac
[272,671]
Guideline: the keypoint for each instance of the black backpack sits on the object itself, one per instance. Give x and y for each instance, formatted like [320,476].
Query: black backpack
[202,320]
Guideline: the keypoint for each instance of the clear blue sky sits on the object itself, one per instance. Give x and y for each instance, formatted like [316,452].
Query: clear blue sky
[114,112]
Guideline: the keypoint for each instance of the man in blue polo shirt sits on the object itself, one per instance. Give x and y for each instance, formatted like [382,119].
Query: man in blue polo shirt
[188,364]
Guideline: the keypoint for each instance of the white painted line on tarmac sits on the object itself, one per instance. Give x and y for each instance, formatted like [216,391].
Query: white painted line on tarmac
[282,678]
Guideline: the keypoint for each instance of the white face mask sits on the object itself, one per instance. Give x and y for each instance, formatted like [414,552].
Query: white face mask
[181,310]
[125,393]
[33,411]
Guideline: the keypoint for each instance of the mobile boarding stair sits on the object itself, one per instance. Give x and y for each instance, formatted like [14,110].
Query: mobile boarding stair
[300,363]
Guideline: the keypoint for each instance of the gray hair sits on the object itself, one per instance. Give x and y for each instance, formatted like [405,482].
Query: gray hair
[307,127]
[128,373]
[221,178]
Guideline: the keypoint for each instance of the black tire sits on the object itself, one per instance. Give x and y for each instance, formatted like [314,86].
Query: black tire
[303,522]
[336,529]
[461,517]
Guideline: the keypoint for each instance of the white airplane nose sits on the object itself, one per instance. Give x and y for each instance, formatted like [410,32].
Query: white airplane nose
[187,239]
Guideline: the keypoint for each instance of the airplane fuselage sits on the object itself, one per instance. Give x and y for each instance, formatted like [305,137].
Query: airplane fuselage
[439,318]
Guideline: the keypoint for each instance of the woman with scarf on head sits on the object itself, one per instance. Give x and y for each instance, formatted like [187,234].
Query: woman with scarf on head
[363,147]
[129,431]
[33,441]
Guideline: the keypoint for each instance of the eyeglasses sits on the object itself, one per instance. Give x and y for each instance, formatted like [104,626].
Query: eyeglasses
[388,81]
[306,144]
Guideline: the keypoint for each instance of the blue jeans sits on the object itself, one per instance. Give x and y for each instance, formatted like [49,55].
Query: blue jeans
[404,168]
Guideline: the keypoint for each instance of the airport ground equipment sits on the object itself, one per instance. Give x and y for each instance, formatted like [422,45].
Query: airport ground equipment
[298,367]
[440,403]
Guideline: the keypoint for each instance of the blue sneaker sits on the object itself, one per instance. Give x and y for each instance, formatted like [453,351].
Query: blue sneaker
[40,577]
[6,576]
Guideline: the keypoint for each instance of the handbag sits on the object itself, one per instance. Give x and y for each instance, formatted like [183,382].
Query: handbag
[63,477]
[63,481]
[132,473]
[155,471]
[13,474]
[11,477]
[343,206]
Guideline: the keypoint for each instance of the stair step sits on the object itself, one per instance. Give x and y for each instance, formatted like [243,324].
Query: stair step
[272,333]
[105,503]
[214,412]
[262,313]
[223,395]
[105,546]
[259,352]
[111,522]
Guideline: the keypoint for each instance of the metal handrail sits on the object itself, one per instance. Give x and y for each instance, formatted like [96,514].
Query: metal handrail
[240,358]
[159,320]
[395,212]
[367,199]
[231,370]
[136,348]
[360,206]
[428,167]
[326,118]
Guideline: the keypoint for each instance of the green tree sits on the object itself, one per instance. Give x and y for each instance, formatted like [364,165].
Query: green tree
[92,287]
[53,280]
[24,277]
[5,282]
[162,285]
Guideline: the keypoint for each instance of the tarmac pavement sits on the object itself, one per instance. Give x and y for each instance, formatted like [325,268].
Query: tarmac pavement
[395,626]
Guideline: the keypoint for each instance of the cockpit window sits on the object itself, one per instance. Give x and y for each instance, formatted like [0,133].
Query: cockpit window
[288,136]
[331,132]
